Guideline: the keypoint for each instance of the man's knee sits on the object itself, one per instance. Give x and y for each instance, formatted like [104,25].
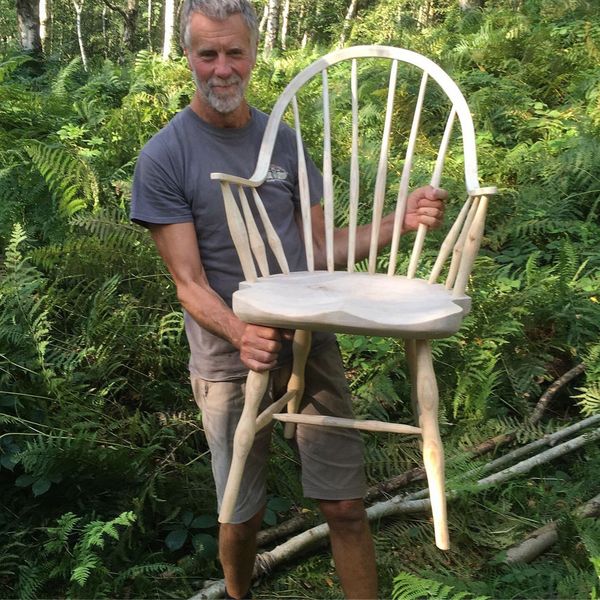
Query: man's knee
[347,514]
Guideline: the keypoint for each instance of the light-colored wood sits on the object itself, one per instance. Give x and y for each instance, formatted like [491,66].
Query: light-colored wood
[327,175]
[433,452]
[407,307]
[326,421]
[238,232]
[272,237]
[354,170]
[304,190]
[256,242]
[381,181]
[435,182]
[399,54]
[351,303]
[449,242]
[410,348]
[405,177]
[256,386]
[460,244]
[300,349]
[471,248]
[266,416]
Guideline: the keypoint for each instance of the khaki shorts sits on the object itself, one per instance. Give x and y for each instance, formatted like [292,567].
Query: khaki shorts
[331,458]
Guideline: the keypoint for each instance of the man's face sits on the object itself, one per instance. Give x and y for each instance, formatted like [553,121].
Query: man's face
[221,58]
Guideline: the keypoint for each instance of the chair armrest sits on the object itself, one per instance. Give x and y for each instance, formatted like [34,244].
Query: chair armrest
[236,180]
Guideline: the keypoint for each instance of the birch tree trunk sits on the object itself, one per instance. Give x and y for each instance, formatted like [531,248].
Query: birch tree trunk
[168,33]
[284,24]
[78,6]
[272,28]
[28,19]
[149,24]
[263,20]
[350,14]
[43,13]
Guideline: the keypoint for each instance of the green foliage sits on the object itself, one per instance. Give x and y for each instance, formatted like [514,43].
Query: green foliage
[410,587]
[95,412]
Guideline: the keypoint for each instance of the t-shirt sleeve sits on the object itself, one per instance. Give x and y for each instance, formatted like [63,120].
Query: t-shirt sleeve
[156,197]
[315,181]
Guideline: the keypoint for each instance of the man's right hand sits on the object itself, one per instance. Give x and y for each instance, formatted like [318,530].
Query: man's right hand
[260,346]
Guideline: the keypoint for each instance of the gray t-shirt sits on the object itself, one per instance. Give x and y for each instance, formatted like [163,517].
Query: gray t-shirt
[172,185]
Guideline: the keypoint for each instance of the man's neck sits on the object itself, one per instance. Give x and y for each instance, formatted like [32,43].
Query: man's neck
[238,118]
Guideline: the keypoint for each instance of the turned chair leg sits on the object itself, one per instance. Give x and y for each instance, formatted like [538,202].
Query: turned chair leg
[300,348]
[433,451]
[256,386]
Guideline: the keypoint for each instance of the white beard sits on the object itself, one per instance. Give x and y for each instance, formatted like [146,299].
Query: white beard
[223,104]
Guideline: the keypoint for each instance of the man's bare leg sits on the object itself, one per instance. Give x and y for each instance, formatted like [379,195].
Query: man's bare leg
[237,552]
[352,547]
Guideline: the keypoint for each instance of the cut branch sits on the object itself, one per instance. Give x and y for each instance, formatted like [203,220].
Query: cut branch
[540,540]
[266,561]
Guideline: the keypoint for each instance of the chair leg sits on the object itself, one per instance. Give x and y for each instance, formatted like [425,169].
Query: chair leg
[433,452]
[410,347]
[256,386]
[300,348]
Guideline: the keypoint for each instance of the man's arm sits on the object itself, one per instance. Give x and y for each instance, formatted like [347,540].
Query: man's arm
[425,205]
[178,247]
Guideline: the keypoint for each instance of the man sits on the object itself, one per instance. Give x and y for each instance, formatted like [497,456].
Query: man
[174,197]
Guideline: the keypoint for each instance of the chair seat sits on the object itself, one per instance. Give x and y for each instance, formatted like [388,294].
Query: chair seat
[351,303]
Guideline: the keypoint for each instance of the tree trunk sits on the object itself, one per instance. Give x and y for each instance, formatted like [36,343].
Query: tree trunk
[149,24]
[129,15]
[263,20]
[284,24]
[43,13]
[168,33]
[350,14]
[78,6]
[28,18]
[272,27]
[130,25]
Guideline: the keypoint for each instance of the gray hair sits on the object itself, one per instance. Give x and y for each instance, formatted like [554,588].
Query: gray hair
[219,10]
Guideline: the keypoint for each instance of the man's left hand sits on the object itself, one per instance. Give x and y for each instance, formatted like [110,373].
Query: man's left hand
[425,206]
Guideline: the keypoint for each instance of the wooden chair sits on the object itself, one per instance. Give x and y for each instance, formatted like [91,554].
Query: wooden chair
[360,300]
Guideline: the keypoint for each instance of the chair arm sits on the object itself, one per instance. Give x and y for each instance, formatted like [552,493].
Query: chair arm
[236,180]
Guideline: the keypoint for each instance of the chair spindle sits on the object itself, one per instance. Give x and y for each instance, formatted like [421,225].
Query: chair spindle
[354,171]
[328,200]
[449,241]
[460,244]
[239,235]
[380,182]
[435,182]
[405,177]
[272,237]
[256,242]
[304,191]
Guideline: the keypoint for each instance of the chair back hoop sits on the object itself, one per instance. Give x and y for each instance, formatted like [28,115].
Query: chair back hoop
[464,236]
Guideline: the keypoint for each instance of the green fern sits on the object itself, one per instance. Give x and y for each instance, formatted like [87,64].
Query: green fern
[70,179]
[411,587]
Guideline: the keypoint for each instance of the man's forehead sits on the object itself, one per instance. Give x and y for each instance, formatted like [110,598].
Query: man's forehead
[230,31]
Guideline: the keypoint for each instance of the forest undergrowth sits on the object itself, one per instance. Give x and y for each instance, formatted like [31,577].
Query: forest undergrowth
[106,489]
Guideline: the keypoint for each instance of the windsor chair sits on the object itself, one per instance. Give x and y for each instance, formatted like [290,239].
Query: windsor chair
[414,306]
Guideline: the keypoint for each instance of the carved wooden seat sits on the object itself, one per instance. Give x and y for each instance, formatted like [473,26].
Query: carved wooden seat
[412,306]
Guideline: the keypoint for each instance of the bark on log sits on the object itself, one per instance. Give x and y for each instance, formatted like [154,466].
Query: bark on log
[538,541]
[266,561]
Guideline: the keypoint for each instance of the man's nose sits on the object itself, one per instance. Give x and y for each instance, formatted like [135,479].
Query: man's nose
[223,67]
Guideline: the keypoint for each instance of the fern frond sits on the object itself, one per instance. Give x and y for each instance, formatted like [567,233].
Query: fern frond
[70,179]
[411,587]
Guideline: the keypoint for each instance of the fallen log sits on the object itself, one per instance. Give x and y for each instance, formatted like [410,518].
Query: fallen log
[412,503]
[540,540]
